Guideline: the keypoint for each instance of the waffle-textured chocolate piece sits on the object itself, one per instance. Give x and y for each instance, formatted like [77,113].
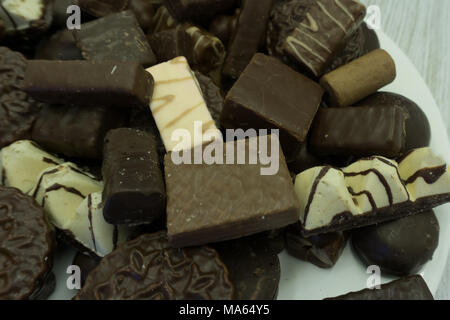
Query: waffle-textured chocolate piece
[26,245]
[147,269]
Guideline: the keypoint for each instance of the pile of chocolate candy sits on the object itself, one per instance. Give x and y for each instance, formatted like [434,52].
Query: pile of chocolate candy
[88,117]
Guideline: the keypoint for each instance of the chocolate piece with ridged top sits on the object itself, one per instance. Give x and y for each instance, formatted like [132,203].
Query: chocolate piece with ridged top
[363,131]
[26,244]
[218,202]
[134,190]
[409,288]
[88,83]
[147,269]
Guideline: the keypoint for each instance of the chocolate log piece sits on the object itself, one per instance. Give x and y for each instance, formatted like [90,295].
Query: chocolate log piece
[102,8]
[60,46]
[21,164]
[76,131]
[147,269]
[399,247]
[162,20]
[198,10]
[27,244]
[224,26]
[216,202]
[254,268]
[204,51]
[363,131]
[134,190]
[359,78]
[322,34]
[87,83]
[248,36]
[17,110]
[89,231]
[178,103]
[271,95]
[86,263]
[212,95]
[408,288]
[61,189]
[417,126]
[117,37]
[321,250]
[371,191]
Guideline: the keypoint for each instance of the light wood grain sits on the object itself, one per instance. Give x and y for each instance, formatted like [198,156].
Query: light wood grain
[421,30]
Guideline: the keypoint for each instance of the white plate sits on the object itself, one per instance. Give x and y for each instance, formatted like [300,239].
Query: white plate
[301,280]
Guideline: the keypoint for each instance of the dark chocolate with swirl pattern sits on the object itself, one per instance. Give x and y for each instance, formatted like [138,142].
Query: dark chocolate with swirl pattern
[147,269]
[27,243]
[18,111]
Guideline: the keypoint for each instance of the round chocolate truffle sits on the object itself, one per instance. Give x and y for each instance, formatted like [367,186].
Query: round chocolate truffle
[417,127]
[399,247]
[27,243]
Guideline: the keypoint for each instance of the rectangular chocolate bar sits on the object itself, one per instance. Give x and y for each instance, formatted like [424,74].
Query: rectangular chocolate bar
[222,200]
[87,83]
[76,131]
[271,95]
[371,191]
[358,131]
[248,36]
[198,10]
[317,40]
[116,37]
[408,288]
[134,190]
[178,103]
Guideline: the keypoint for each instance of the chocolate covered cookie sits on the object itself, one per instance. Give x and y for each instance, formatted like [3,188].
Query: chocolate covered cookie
[26,248]
[399,247]
[147,269]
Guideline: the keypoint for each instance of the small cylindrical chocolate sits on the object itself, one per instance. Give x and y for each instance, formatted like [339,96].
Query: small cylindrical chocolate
[359,78]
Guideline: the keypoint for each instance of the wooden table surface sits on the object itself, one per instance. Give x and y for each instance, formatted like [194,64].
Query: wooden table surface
[420,28]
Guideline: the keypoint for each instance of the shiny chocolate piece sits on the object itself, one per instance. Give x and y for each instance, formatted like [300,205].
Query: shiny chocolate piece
[254,268]
[116,37]
[321,35]
[86,263]
[18,111]
[409,288]
[212,95]
[76,131]
[321,250]
[108,84]
[216,202]
[248,36]
[400,247]
[198,10]
[417,126]
[60,46]
[371,191]
[162,20]
[224,26]
[27,243]
[134,190]
[271,95]
[363,131]
[147,269]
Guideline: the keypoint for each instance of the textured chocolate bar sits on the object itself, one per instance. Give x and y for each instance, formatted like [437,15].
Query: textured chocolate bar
[198,10]
[409,288]
[116,37]
[148,269]
[271,95]
[322,34]
[134,190]
[87,83]
[363,131]
[371,191]
[248,36]
[76,131]
[217,202]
